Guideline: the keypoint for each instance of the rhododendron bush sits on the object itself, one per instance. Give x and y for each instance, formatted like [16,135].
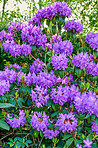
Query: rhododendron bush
[49,85]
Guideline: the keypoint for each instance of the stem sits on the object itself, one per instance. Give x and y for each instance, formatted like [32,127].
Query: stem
[41,141]
[34,140]
[34,58]
[4,2]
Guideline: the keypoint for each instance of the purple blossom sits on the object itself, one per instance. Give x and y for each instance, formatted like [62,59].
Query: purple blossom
[92,39]
[86,102]
[60,8]
[92,68]
[70,25]
[17,122]
[55,39]
[40,97]
[60,95]
[66,122]
[36,66]
[16,49]
[95,127]
[8,75]
[79,146]
[14,27]
[87,143]
[81,60]
[59,62]
[32,35]
[63,47]
[4,87]
[39,122]
[44,79]
[50,133]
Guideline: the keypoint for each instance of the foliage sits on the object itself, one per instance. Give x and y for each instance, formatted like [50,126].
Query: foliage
[45,103]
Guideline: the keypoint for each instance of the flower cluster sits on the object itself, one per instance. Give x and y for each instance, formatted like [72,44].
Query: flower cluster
[92,39]
[66,122]
[15,66]
[17,122]
[4,87]
[16,49]
[81,61]
[55,39]
[63,47]
[60,95]
[32,35]
[5,36]
[95,128]
[40,97]
[8,75]
[36,66]
[60,8]
[86,102]
[70,25]
[59,62]
[44,79]
[86,142]
[14,27]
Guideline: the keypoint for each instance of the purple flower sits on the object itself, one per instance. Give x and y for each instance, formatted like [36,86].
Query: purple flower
[39,122]
[63,47]
[4,87]
[36,66]
[60,95]
[79,146]
[59,62]
[44,79]
[95,127]
[17,122]
[66,122]
[81,60]
[92,39]
[50,133]
[87,143]
[39,96]
[55,38]
[70,25]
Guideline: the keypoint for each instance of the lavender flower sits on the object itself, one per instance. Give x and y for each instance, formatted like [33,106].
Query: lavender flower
[60,95]
[66,122]
[36,66]
[17,122]
[70,25]
[63,47]
[55,39]
[50,133]
[40,97]
[95,128]
[59,62]
[4,87]
[44,79]
[39,122]
[87,143]
[60,8]
[17,49]
[79,146]
[92,39]
[81,60]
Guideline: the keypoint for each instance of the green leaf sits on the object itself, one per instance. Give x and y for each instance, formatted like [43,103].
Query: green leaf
[19,103]
[96,120]
[66,136]
[29,141]
[69,142]
[6,105]
[4,125]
